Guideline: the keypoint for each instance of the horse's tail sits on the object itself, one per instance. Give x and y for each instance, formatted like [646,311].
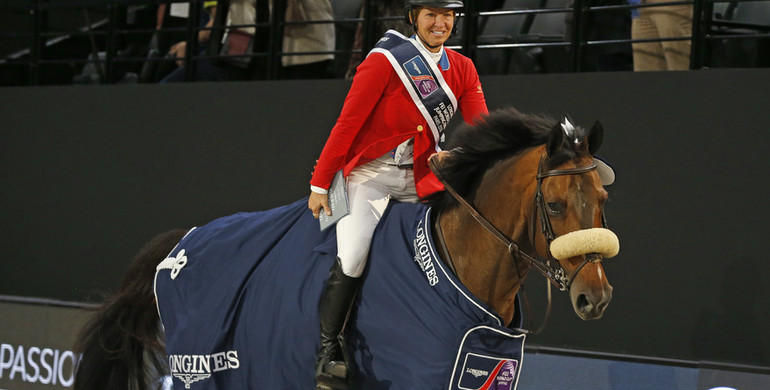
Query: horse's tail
[122,345]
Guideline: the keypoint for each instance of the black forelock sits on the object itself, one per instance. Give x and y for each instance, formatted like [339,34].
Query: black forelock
[475,148]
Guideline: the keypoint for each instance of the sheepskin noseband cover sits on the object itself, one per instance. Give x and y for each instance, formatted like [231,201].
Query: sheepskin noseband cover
[581,242]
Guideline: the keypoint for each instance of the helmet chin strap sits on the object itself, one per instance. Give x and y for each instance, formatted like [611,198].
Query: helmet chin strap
[426,44]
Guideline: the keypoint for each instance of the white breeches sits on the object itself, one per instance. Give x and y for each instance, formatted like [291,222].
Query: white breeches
[370,188]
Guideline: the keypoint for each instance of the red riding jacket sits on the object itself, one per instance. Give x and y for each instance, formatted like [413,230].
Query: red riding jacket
[379,114]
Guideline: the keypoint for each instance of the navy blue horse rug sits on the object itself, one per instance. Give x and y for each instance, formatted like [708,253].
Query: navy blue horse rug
[238,299]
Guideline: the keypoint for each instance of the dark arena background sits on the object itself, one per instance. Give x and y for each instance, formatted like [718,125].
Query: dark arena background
[88,174]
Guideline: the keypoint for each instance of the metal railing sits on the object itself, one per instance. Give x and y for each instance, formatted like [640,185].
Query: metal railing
[111,37]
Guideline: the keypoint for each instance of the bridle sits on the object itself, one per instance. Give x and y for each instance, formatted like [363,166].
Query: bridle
[556,274]
[560,279]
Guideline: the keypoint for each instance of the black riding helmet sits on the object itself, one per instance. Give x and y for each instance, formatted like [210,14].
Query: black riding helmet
[411,4]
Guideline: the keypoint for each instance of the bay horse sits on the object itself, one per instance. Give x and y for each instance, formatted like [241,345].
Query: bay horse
[522,192]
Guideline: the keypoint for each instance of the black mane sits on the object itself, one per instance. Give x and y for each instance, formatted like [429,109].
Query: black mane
[476,148]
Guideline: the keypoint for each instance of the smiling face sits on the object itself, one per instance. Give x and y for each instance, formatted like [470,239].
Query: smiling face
[434,26]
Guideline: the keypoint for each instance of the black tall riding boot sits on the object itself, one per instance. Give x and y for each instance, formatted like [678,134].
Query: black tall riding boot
[336,301]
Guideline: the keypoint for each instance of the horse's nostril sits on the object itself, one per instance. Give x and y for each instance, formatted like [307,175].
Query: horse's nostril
[602,306]
[582,302]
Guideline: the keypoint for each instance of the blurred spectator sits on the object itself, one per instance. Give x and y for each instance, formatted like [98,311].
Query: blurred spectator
[383,10]
[670,21]
[297,39]
[204,69]
[308,38]
[174,16]
[599,26]
[240,43]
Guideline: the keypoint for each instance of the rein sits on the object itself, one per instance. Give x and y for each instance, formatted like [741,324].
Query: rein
[555,275]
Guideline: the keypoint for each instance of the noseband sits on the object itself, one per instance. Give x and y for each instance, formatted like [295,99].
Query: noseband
[556,274]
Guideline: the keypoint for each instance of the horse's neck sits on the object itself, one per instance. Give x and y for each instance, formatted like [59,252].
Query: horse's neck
[483,263]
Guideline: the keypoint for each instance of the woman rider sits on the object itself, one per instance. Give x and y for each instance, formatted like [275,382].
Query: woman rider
[401,99]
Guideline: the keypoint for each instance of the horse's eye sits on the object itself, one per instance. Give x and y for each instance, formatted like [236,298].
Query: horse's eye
[555,208]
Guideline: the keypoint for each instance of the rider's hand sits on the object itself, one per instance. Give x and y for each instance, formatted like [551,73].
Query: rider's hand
[439,157]
[318,201]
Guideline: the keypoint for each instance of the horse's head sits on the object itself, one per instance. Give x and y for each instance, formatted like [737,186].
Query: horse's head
[570,200]
[494,171]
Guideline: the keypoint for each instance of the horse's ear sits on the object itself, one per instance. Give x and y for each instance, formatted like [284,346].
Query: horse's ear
[556,139]
[595,137]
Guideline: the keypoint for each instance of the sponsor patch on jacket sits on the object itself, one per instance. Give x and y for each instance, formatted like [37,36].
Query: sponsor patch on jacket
[487,372]
[418,71]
